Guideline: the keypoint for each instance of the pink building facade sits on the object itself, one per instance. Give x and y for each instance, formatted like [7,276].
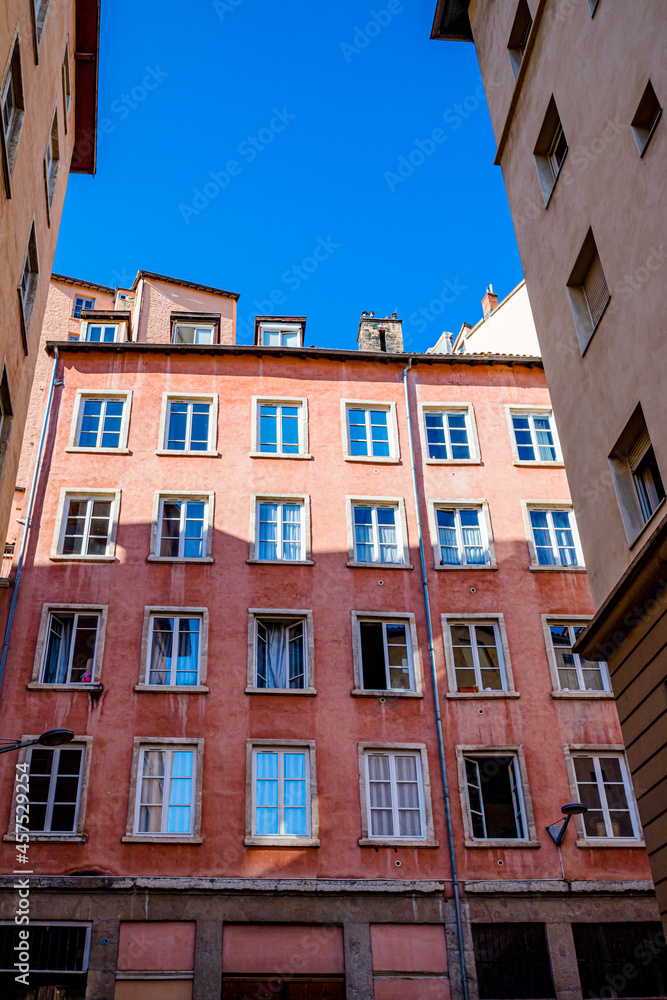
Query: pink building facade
[223,598]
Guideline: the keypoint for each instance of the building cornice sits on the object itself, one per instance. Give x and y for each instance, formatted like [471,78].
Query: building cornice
[86,74]
[80,283]
[451,22]
[88,883]
[154,276]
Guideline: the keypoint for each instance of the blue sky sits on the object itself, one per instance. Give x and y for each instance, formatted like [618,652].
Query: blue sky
[327,158]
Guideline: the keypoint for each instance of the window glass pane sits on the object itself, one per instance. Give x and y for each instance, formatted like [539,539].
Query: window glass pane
[83,655]
[387,542]
[152,791]
[203,335]
[407,796]
[474,782]
[290,339]
[271,338]
[41,764]
[435,435]
[188,651]
[500,814]
[180,792]
[266,793]
[472,537]
[113,418]
[297,667]
[464,660]
[268,531]
[291,531]
[489,659]
[290,429]
[545,438]
[564,538]
[193,541]
[74,527]
[379,433]
[90,422]
[357,425]
[178,423]
[268,429]
[380,797]
[363,534]
[170,528]
[58,648]
[523,438]
[161,651]
[458,435]
[397,654]
[542,538]
[99,527]
[294,794]
[199,427]
[449,548]
[66,791]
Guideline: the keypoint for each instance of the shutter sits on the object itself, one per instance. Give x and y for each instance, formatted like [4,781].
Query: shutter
[639,449]
[595,289]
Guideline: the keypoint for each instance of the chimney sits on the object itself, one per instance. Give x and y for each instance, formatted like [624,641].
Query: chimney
[384,336]
[489,302]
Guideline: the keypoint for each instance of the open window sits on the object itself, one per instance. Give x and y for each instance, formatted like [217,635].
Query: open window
[386,654]
[494,796]
[550,150]
[279,331]
[13,112]
[646,118]
[195,328]
[638,481]
[519,35]
[588,291]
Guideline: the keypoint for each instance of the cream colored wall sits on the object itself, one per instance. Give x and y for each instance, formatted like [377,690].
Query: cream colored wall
[596,68]
[509,329]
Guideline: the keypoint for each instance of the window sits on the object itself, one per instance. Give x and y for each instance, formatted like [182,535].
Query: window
[477,656]
[102,333]
[646,118]
[368,432]
[88,525]
[463,536]
[190,425]
[191,333]
[281,653]
[55,948]
[280,427]
[280,335]
[13,112]
[593,6]
[574,672]
[6,414]
[28,286]
[174,650]
[166,791]
[40,10]
[101,422]
[183,530]
[55,788]
[394,795]
[550,150]
[67,85]
[281,793]
[603,784]
[534,436]
[588,291]
[494,797]
[637,480]
[518,40]
[386,655]
[52,161]
[80,305]
[646,475]
[605,953]
[450,434]
[281,528]
[375,535]
[512,961]
[554,537]
[70,649]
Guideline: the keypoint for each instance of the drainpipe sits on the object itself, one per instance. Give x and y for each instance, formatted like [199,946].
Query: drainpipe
[438,716]
[26,526]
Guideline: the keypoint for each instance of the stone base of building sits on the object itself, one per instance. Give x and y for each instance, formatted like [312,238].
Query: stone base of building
[255,939]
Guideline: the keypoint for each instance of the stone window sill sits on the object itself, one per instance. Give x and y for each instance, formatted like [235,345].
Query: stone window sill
[473,695]
[452,461]
[179,559]
[369,693]
[43,686]
[557,569]
[539,465]
[620,843]
[372,458]
[379,842]
[153,975]
[264,454]
[50,838]
[59,558]
[565,695]
[502,843]
[175,453]
[473,567]
[172,688]
[378,565]
[309,692]
[280,562]
[98,451]
[141,839]
[274,842]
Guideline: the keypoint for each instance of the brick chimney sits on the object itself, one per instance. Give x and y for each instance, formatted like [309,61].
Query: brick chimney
[489,302]
[382,335]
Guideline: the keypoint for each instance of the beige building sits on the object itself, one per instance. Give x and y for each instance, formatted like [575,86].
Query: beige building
[575,91]
[506,327]
[48,93]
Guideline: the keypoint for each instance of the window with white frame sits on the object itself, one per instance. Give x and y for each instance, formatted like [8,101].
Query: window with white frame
[55,788]
[80,305]
[281,653]
[280,334]
[386,656]
[495,801]
[67,84]
[175,650]
[461,534]
[376,534]
[52,160]
[182,528]
[534,436]
[100,423]
[87,526]
[554,537]
[281,794]
[165,804]
[279,428]
[29,278]
[603,784]
[102,333]
[194,333]
[188,425]
[368,432]
[394,795]
[70,648]
[645,474]
[477,652]
[575,672]
[13,105]
[280,530]
[448,434]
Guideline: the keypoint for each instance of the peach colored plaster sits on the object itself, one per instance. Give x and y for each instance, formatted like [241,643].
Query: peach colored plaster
[282,949]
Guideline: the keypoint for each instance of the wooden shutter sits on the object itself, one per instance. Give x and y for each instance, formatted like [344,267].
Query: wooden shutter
[595,289]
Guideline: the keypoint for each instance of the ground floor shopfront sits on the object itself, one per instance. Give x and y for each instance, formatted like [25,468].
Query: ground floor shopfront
[106,938]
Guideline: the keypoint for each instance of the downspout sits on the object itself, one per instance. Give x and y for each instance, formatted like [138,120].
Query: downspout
[438,715]
[26,526]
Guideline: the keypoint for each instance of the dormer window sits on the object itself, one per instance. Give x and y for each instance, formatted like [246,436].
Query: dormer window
[104,327]
[194,328]
[279,331]
[102,333]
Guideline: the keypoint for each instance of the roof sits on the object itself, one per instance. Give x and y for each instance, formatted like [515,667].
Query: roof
[451,22]
[70,347]
[468,330]
[182,281]
[86,72]
[80,283]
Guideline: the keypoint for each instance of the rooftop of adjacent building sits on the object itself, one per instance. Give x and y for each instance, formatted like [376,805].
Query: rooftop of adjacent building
[506,327]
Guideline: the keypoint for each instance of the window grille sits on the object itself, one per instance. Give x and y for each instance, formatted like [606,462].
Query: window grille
[512,961]
[604,952]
